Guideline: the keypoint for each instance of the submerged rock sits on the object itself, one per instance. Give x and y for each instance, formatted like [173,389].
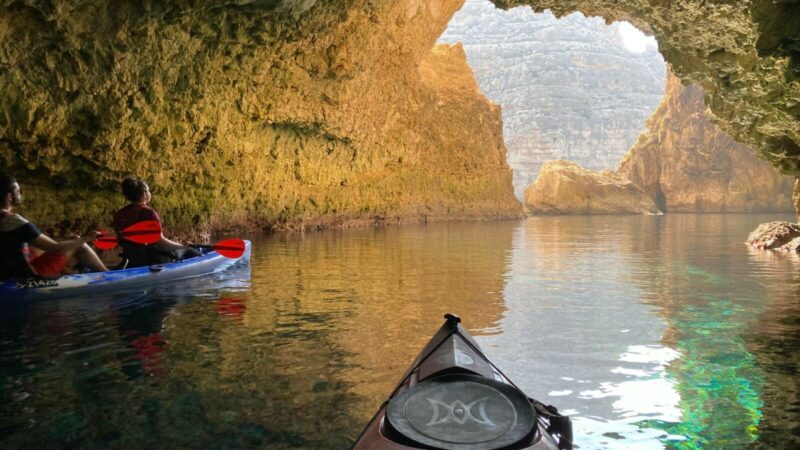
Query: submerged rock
[563,187]
[776,235]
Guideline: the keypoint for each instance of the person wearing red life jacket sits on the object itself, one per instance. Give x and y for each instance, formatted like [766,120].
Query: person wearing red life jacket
[137,192]
[17,234]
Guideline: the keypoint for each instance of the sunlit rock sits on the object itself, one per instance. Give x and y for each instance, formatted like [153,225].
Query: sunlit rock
[687,164]
[247,114]
[563,187]
[775,235]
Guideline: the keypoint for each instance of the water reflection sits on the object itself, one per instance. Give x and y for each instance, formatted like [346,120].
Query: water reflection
[652,332]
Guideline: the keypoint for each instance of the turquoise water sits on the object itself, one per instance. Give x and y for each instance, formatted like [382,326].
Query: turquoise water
[651,332]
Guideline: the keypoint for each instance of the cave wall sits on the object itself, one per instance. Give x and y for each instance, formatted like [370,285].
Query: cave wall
[275,113]
[246,113]
[688,164]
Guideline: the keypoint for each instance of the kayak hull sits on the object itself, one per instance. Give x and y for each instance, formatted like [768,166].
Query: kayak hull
[453,397]
[116,280]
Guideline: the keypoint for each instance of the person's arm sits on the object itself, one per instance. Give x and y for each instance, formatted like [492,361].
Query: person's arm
[44,242]
[166,243]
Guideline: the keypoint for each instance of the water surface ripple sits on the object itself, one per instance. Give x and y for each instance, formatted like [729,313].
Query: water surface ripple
[652,332]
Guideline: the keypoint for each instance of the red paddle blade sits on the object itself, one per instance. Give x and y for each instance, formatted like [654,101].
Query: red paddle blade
[105,242]
[144,232]
[230,248]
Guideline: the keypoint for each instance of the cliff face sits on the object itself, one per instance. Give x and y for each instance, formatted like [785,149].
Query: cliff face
[568,87]
[267,113]
[563,187]
[744,55]
[688,164]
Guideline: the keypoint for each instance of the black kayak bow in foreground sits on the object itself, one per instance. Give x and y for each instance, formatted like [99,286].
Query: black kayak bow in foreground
[453,397]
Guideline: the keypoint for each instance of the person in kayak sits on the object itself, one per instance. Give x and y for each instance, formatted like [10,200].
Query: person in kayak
[17,234]
[137,192]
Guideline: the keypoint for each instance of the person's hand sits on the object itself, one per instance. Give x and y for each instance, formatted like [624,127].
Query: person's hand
[91,236]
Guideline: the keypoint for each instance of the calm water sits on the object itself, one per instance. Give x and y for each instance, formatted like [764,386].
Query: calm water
[652,332]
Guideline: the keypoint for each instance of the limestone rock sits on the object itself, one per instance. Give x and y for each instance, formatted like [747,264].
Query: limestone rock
[569,88]
[687,164]
[261,114]
[301,112]
[743,54]
[774,235]
[563,187]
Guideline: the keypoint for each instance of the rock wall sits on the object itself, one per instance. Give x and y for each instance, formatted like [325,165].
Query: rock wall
[291,112]
[687,164]
[569,88]
[563,187]
[744,55]
[247,113]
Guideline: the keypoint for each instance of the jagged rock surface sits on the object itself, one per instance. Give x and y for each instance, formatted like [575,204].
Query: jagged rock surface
[247,113]
[687,164]
[563,187]
[568,88]
[775,235]
[744,54]
[292,111]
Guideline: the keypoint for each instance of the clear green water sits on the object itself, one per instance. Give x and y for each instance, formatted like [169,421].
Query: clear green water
[652,332]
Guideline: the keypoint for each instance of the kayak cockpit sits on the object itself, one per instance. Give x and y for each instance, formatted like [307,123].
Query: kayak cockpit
[453,397]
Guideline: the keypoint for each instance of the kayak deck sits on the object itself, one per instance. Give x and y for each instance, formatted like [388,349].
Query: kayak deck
[98,282]
[454,397]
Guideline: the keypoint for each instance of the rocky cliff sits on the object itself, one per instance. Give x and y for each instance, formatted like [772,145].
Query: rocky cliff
[569,88]
[743,54]
[563,187]
[247,113]
[687,164]
[303,111]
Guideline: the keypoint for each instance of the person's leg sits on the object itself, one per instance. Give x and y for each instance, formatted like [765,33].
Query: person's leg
[89,258]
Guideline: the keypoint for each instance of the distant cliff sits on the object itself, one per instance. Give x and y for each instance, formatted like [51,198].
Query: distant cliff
[569,88]
[687,164]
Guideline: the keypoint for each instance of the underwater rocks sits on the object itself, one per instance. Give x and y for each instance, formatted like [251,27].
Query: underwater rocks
[687,164]
[563,187]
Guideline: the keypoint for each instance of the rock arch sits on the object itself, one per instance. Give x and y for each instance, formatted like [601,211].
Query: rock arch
[282,112]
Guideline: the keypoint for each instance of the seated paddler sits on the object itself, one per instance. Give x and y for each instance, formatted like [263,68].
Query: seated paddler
[137,192]
[20,240]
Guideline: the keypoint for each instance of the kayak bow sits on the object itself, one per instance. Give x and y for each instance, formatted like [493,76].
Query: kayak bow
[454,397]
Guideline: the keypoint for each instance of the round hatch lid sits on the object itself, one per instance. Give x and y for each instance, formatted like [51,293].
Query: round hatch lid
[462,412]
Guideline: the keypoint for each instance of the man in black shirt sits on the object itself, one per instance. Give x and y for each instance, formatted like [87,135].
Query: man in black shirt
[16,233]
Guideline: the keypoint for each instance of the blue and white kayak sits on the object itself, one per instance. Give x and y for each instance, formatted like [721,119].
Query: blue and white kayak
[97,282]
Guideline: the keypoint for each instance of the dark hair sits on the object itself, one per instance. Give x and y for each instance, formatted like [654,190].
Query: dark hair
[7,184]
[133,189]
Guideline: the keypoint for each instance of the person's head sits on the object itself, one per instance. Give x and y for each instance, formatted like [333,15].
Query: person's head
[9,191]
[135,190]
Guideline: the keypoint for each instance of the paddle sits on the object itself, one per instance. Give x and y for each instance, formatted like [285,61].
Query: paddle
[144,232]
[229,248]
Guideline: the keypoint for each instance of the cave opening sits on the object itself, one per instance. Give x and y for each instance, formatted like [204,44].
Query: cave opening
[570,88]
